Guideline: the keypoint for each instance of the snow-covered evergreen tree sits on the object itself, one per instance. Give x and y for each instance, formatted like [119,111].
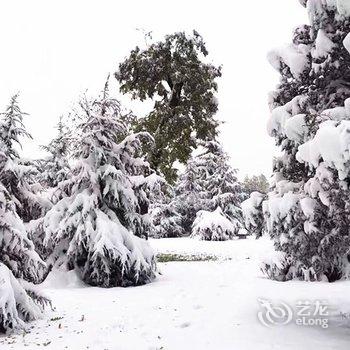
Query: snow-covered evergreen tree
[96,227]
[209,182]
[52,171]
[219,183]
[20,265]
[167,220]
[308,212]
[18,174]
[187,199]
[55,166]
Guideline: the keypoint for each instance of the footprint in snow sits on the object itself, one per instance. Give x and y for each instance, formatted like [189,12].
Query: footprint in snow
[185,325]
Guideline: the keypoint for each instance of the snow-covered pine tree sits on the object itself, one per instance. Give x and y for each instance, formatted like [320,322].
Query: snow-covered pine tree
[20,265]
[55,167]
[188,191]
[96,227]
[166,219]
[220,186]
[18,174]
[209,182]
[308,212]
[221,196]
[53,170]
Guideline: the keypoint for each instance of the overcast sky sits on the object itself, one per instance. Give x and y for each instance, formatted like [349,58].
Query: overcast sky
[52,51]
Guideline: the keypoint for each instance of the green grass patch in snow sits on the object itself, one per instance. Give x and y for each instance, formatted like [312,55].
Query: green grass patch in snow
[168,257]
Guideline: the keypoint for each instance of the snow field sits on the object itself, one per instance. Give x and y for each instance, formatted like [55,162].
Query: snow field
[191,305]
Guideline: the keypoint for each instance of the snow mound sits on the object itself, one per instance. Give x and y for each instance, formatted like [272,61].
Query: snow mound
[62,278]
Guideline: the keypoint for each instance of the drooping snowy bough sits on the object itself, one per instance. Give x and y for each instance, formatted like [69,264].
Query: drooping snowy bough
[98,227]
[308,212]
[252,209]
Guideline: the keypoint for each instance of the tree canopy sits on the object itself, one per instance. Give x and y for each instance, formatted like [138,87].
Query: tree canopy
[174,74]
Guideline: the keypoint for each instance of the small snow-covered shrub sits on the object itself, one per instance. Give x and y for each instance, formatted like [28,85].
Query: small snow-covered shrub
[213,226]
[277,268]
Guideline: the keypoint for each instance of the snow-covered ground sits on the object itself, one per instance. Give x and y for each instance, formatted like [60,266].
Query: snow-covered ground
[192,305]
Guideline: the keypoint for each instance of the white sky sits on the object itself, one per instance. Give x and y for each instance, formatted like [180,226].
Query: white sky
[52,51]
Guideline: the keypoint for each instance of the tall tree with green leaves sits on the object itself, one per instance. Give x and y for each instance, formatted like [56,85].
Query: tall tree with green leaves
[174,74]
